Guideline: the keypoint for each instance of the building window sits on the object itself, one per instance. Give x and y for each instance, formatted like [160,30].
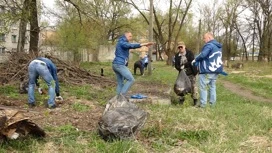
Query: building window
[26,39]
[2,49]
[2,37]
[13,38]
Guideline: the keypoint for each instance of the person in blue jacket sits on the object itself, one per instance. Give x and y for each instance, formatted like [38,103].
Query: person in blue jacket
[119,64]
[46,69]
[210,64]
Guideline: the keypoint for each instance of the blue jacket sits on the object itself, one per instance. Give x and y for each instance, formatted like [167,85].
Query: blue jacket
[210,58]
[122,50]
[53,71]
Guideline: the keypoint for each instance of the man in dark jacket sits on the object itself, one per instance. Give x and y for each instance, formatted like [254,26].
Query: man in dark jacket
[183,60]
[210,64]
[121,59]
[45,68]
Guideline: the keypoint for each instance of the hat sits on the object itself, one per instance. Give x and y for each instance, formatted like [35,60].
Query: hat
[181,43]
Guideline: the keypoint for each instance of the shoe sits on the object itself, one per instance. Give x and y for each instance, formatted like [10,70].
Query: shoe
[31,105]
[138,96]
[52,106]
[195,102]
[181,100]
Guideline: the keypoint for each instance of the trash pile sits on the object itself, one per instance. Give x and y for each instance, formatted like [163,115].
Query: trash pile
[121,119]
[16,69]
[13,125]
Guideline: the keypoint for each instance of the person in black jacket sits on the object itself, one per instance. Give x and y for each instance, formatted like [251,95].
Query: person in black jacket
[183,60]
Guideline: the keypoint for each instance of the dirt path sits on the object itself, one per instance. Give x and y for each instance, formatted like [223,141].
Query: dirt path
[243,92]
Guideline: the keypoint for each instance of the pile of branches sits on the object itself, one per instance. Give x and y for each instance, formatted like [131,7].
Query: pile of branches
[16,69]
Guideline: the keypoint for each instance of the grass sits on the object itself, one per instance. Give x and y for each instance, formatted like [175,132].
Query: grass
[80,107]
[236,124]
[253,78]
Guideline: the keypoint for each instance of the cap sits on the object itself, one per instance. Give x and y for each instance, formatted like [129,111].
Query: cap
[181,43]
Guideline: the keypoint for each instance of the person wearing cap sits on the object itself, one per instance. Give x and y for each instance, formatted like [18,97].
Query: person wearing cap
[183,59]
[46,69]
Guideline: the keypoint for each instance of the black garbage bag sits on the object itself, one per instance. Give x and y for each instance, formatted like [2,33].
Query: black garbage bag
[183,84]
[121,119]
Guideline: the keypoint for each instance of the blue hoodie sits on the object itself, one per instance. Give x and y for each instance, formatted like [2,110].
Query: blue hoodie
[210,58]
[122,50]
[53,71]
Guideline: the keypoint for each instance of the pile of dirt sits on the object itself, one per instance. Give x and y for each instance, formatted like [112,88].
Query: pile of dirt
[15,69]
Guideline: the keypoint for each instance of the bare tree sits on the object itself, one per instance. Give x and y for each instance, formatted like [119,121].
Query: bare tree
[262,11]
[23,26]
[168,29]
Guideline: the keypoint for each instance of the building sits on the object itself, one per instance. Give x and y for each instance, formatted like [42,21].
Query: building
[9,30]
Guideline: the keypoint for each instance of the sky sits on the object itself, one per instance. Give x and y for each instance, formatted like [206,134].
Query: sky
[49,4]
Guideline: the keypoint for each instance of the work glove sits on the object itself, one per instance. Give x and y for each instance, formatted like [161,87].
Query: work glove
[182,67]
[193,62]
[40,91]
[58,98]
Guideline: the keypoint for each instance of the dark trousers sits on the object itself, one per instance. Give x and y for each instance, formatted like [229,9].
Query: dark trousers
[145,66]
[139,65]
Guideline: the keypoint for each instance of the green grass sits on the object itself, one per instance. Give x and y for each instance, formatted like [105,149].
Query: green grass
[10,90]
[89,93]
[80,107]
[255,77]
[235,124]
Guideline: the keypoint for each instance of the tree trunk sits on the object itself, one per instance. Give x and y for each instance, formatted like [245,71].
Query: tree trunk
[22,27]
[34,29]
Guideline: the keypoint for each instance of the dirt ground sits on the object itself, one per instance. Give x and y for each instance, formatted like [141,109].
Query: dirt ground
[234,88]
[66,114]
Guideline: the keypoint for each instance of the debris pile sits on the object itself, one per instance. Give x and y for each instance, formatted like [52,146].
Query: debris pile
[13,125]
[15,69]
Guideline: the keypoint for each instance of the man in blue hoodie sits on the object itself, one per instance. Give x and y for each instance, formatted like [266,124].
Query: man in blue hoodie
[210,64]
[120,61]
[45,68]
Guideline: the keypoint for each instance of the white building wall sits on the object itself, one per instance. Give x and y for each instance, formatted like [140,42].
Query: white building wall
[11,32]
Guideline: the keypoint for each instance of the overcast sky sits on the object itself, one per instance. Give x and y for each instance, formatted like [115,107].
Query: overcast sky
[49,4]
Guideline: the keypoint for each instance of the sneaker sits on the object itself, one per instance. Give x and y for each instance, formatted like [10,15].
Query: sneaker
[195,102]
[52,107]
[181,100]
[31,105]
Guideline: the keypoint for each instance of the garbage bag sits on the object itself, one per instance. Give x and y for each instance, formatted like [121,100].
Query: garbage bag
[183,84]
[121,119]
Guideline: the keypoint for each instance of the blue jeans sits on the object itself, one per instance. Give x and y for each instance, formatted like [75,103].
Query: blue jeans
[122,74]
[207,81]
[36,69]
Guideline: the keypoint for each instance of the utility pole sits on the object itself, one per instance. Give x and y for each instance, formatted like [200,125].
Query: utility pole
[150,49]
[198,37]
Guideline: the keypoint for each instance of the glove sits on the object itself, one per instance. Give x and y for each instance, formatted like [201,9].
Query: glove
[40,91]
[193,62]
[58,98]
